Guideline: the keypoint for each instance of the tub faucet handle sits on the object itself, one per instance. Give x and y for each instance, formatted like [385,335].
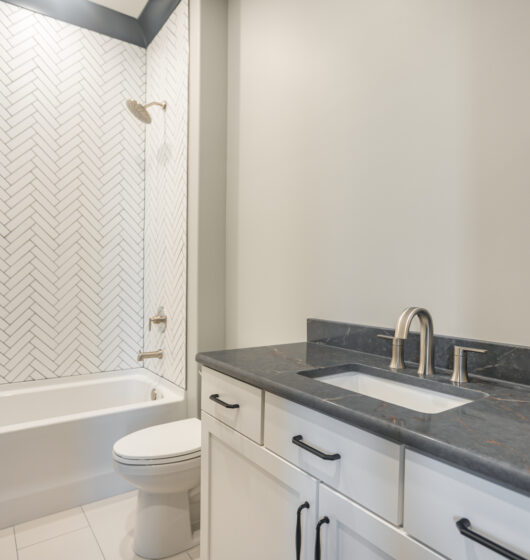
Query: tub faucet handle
[460,363]
[157,319]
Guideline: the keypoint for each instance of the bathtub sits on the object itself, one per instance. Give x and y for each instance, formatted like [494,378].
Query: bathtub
[56,437]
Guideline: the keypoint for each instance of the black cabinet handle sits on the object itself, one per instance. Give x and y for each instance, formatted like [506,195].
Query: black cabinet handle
[215,398]
[464,526]
[318,551]
[299,440]
[305,505]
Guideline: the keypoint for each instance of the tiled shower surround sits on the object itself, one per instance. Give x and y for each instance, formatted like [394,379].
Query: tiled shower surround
[165,195]
[72,190]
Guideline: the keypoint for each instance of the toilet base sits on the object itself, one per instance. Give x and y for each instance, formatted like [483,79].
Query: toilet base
[163,526]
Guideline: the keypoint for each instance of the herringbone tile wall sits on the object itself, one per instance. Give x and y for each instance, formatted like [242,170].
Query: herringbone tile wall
[72,197]
[166,195]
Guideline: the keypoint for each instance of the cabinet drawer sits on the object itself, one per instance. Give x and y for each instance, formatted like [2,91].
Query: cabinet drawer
[369,469]
[234,403]
[437,495]
[353,532]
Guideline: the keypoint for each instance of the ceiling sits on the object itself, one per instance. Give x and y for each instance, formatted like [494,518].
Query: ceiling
[131,8]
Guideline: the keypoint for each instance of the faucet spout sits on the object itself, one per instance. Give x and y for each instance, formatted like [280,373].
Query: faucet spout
[426,365]
[147,355]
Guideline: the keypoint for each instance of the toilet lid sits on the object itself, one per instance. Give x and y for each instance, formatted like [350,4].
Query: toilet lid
[174,439]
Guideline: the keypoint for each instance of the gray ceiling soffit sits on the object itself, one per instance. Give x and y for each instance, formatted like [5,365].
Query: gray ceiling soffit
[82,13]
[154,15]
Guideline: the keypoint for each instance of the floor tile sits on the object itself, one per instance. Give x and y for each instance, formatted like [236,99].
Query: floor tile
[78,545]
[50,526]
[195,553]
[112,521]
[8,549]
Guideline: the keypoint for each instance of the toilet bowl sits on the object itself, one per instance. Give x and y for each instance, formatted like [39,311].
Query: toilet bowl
[163,462]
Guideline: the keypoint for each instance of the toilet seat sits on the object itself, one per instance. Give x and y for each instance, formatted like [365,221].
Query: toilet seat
[174,442]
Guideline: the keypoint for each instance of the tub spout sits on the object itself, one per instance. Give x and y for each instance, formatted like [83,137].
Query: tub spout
[147,355]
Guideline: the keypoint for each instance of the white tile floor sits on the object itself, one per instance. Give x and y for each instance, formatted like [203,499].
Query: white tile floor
[97,531]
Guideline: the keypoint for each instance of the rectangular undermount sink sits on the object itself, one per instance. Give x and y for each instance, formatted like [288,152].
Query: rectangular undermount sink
[394,392]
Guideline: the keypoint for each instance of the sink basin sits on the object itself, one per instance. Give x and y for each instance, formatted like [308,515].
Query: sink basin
[394,392]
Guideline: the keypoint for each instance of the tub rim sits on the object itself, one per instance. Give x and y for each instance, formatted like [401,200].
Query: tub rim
[174,394]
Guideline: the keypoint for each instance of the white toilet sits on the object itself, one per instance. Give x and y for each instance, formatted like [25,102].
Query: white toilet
[163,462]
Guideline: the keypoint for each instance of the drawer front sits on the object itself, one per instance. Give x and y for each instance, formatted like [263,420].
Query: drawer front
[246,417]
[438,495]
[353,532]
[369,469]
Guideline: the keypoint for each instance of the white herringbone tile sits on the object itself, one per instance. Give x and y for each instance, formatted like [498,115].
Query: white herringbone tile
[166,195]
[71,199]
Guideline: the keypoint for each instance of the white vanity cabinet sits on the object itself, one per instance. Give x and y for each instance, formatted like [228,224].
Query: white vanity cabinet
[275,473]
[255,504]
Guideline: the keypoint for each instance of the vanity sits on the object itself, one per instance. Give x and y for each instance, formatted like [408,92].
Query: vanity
[313,451]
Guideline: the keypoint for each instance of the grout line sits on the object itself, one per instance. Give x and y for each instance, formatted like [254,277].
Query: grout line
[15,539]
[50,538]
[92,531]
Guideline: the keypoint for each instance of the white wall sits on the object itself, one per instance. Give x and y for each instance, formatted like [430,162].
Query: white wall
[378,157]
[166,170]
[71,199]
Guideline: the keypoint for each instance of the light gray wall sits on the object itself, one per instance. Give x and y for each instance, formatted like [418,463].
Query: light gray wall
[378,157]
[207,185]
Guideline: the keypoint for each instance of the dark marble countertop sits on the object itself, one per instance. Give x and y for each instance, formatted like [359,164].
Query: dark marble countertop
[489,436]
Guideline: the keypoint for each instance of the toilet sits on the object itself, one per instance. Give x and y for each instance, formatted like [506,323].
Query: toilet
[163,462]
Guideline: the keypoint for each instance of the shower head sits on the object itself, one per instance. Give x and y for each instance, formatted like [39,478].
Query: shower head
[141,112]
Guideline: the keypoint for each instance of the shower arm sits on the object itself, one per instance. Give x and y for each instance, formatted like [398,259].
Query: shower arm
[163,104]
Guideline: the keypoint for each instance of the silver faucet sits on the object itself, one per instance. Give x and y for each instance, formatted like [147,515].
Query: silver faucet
[426,366]
[147,355]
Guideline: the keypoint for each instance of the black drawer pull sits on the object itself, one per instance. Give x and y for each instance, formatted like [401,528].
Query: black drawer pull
[299,440]
[215,398]
[305,505]
[318,551]
[464,526]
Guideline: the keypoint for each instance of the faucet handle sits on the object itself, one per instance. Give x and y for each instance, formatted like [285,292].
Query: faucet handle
[385,336]
[397,361]
[461,349]
[157,319]
[460,363]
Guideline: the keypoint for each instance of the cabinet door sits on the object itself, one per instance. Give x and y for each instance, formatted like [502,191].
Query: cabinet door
[250,498]
[354,533]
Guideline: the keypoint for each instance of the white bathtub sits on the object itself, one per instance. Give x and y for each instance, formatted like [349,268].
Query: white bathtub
[56,437]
